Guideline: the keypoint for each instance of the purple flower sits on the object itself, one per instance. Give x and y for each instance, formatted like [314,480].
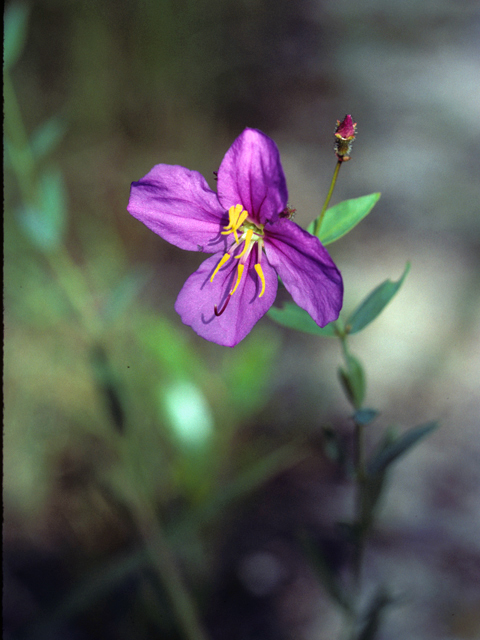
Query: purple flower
[246,226]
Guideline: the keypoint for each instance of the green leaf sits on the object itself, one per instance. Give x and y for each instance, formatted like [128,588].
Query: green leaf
[343,217]
[53,201]
[189,414]
[124,294]
[45,224]
[246,372]
[353,381]
[166,342]
[389,436]
[294,317]
[15,32]
[374,304]
[47,137]
[393,450]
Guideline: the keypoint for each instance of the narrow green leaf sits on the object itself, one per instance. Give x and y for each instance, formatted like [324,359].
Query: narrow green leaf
[390,435]
[374,304]
[391,452]
[124,294]
[343,217]
[53,201]
[246,371]
[47,136]
[45,224]
[294,317]
[189,414]
[15,32]
[165,341]
[353,381]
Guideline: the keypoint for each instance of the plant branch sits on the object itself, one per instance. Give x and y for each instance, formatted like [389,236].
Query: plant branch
[319,220]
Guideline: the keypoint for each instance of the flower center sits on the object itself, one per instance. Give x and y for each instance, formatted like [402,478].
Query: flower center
[249,234]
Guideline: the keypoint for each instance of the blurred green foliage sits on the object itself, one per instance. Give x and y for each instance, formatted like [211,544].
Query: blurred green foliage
[112,407]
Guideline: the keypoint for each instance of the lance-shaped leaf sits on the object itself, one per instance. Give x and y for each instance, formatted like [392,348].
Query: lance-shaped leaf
[45,224]
[396,448]
[47,136]
[294,317]
[124,294]
[353,381]
[15,32]
[374,304]
[343,217]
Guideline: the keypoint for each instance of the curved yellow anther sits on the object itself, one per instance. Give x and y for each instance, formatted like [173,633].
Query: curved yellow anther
[233,214]
[236,211]
[259,270]
[237,217]
[239,277]
[225,257]
[241,219]
[248,238]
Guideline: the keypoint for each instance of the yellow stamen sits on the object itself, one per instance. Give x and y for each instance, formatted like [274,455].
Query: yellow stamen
[239,277]
[248,237]
[237,217]
[233,214]
[241,219]
[225,257]
[259,270]
[236,211]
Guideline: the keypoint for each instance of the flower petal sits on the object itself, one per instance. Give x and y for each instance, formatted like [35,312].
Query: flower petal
[198,297]
[251,175]
[306,269]
[179,206]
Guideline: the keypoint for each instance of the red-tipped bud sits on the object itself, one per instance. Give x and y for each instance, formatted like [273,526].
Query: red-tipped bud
[345,132]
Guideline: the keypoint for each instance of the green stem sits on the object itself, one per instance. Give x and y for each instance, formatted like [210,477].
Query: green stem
[359,500]
[166,568]
[319,220]
[350,629]
[144,512]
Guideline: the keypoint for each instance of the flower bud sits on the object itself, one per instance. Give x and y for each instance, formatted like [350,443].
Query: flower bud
[344,136]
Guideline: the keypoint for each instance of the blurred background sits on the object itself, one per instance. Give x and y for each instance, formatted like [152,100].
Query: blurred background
[118,417]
